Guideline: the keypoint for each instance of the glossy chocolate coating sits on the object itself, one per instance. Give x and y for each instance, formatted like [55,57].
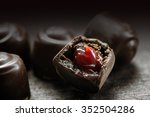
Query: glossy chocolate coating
[46,46]
[13,39]
[88,81]
[119,35]
[13,78]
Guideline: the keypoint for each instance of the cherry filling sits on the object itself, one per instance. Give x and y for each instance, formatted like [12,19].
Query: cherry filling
[87,58]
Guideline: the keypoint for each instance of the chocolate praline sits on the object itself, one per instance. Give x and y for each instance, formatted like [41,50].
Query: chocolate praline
[13,39]
[88,74]
[47,44]
[13,78]
[118,34]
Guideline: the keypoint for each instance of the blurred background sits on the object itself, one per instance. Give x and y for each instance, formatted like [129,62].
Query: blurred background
[74,5]
[74,14]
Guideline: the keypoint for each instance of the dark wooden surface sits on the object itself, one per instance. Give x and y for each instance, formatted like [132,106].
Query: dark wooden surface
[129,82]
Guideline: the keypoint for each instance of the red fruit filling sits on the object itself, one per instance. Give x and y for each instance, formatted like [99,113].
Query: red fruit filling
[87,58]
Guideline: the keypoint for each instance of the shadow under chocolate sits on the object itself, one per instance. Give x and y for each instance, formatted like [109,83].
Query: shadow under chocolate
[119,80]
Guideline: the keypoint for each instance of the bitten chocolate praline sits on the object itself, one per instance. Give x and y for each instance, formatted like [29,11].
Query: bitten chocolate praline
[48,43]
[13,78]
[13,39]
[85,63]
[118,34]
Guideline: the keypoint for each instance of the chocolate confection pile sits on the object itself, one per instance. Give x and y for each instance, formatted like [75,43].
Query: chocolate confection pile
[84,62]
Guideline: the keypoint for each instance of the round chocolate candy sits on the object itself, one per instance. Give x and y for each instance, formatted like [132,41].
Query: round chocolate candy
[118,34]
[45,47]
[13,39]
[85,63]
[13,78]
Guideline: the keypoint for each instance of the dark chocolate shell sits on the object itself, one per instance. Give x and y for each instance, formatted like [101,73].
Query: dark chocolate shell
[13,39]
[47,44]
[13,78]
[118,34]
[88,81]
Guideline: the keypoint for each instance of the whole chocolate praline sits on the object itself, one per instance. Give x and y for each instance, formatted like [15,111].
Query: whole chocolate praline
[85,80]
[47,44]
[118,34]
[13,78]
[13,39]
